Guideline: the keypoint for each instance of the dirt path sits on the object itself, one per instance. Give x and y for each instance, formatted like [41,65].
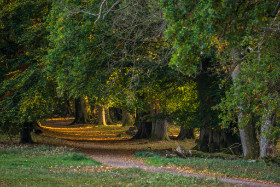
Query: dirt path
[111,155]
[120,154]
[120,161]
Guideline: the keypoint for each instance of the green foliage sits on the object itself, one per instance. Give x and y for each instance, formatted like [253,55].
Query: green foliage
[256,88]
[26,93]
[198,28]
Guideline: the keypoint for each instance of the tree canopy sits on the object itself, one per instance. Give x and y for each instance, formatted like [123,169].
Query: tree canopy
[212,65]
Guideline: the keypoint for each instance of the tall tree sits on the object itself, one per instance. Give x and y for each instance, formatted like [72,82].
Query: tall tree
[234,30]
[26,92]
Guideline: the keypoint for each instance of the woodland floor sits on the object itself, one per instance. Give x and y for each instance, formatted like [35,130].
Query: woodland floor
[112,147]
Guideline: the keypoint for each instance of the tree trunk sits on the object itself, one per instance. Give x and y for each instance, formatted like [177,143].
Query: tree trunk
[212,138]
[265,130]
[108,116]
[127,118]
[159,130]
[68,108]
[113,113]
[242,136]
[101,115]
[217,140]
[248,138]
[143,126]
[186,133]
[81,113]
[248,132]
[251,140]
[25,133]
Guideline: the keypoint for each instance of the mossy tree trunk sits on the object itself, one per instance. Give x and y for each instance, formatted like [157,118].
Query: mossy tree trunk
[25,133]
[186,133]
[268,122]
[252,143]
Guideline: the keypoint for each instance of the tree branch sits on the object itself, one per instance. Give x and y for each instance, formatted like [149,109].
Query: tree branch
[276,10]
[115,4]
[100,11]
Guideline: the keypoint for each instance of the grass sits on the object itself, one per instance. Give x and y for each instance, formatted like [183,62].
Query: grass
[230,168]
[45,165]
[60,166]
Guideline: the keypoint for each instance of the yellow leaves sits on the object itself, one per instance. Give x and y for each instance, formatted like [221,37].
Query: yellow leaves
[219,43]
[91,37]
[61,28]
[264,19]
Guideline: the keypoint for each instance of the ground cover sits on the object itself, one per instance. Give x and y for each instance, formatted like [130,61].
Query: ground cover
[60,166]
[224,167]
[119,151]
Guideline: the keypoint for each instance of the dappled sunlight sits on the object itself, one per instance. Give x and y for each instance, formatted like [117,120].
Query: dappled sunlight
[111,137]
[63,128]
[59,119]
[58,127]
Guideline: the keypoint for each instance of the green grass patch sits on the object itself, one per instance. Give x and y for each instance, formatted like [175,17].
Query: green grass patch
[231,168]
[146,154]
[60,166]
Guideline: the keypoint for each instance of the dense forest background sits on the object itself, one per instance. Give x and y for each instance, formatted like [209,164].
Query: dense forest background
[207,65]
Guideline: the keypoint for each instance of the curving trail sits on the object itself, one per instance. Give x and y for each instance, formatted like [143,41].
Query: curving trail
[106,147]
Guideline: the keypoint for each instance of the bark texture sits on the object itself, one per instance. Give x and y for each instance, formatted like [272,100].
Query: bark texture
[268,120]
[251,140]
[159,130]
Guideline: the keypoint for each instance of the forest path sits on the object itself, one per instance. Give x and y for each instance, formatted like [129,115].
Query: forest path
[127,160]
[105,146]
